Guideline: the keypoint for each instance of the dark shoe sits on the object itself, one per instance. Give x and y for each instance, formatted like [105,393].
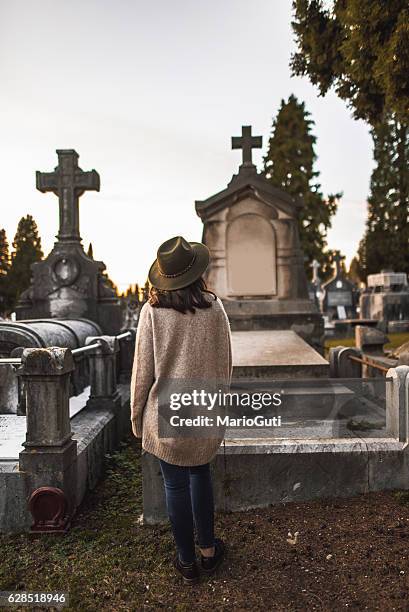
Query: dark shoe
[210,564]
[189,573]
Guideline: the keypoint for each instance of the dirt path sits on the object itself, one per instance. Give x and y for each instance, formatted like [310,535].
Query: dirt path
[349,555]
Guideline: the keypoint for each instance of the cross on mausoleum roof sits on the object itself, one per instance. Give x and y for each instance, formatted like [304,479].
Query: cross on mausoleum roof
[246,142]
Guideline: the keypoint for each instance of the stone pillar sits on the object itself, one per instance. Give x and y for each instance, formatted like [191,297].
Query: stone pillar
[397,403]
[103,378]
[19,387]
[370,340]
[49,458]
[126,356]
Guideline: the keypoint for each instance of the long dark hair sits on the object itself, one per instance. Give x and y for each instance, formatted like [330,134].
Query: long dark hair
[183,300]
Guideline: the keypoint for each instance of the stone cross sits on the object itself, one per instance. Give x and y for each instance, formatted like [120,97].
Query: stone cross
[246,142]
[68,182]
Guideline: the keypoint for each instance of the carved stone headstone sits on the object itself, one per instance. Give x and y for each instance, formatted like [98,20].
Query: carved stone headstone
[68,283]
[257,265]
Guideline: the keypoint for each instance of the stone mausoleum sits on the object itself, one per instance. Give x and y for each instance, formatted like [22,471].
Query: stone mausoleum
[386,299]
[340,294]
[257,265]
[68,284]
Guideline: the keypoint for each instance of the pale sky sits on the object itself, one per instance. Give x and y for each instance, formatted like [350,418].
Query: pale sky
[149,94]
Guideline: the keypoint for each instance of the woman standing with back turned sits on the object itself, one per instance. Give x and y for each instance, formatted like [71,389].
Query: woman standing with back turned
[183,334]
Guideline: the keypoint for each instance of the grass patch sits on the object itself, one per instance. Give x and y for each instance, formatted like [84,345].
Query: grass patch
[105,556]
[402,497]
[395,341]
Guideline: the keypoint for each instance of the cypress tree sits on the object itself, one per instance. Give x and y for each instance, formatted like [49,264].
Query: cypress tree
[4,268]
[361,50]
[27,250]
[110,283]
[386,240]
[354,272]
[358,48]
[289,165]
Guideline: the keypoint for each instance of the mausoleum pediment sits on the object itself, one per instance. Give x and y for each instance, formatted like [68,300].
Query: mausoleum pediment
[251,186]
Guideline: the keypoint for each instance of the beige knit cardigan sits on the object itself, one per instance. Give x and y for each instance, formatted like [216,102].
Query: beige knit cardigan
[173,345]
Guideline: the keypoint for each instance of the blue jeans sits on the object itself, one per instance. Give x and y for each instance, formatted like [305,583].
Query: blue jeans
[189,502]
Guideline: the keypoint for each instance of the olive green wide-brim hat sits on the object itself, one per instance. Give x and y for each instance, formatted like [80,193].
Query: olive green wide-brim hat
[178,264]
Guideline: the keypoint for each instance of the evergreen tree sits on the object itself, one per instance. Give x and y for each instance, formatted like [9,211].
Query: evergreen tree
[4,268]
[110,283]
[289,165]
[354,272]
[386,240]
[361,49]
[358,47]
[27,250]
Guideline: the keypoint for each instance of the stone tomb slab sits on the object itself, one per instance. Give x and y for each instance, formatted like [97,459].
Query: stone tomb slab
[13,428]
[275,353]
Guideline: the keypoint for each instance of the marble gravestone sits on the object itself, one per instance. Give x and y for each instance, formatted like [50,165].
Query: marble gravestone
[340,294]
[68,283]
[257,265]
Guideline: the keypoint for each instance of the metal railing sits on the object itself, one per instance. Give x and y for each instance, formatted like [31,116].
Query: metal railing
[370,363]
[75,352]
[10,361]
[85,349]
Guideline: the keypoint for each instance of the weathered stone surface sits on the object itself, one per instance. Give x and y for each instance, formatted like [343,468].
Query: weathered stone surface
[257,473]
[68,182]
[263,315]
[275,354]
[341,364]
[370,339]
[12,436]
[68,283]
[45,373]
[53,361]
[8,390]
[396,403]
[95,432]
[42,333]
[14,514]
[103,369]
[49,456]
[14,337]
[387,299]
[13,427]
[251,229]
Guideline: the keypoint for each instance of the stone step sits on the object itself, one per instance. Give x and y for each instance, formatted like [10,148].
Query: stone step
[308,400]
